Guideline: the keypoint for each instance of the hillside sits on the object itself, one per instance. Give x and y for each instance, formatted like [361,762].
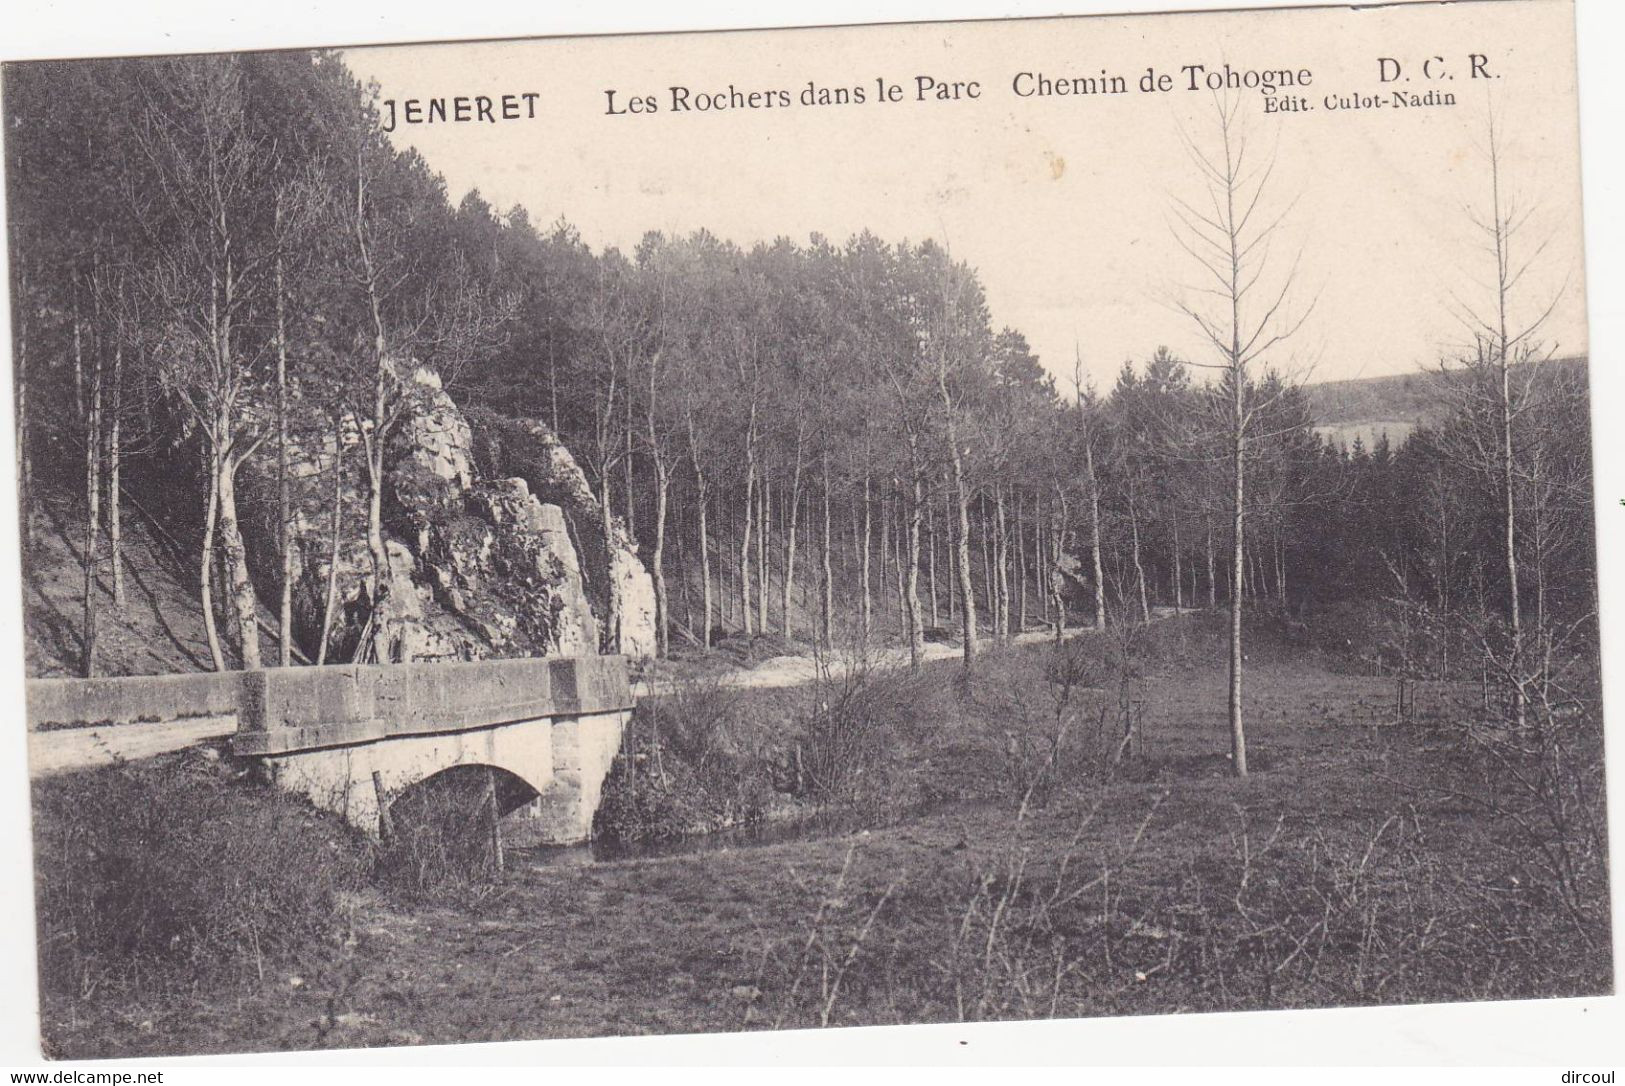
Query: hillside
[1367,407]
[1410,397]
[158,631]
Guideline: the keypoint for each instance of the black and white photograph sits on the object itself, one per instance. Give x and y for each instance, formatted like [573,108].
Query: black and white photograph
[790,529]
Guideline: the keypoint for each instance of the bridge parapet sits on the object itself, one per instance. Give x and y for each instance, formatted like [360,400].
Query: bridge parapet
[68,703]
[283,710]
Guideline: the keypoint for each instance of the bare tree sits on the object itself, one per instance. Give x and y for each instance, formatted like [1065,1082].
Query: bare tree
[661,460]
[691,432]
[738,327]
[91,418]
[297,205]
[950,349]
[800,427]
[665,343]
[909,406]
[376,271]
[415,316]
[22,308]
[212,259]
[1227,232]
[1088,409]
[1501,385]
[614,325]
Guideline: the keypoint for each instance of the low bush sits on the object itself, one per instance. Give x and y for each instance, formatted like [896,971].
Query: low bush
[704,755]
[853,728]
[866,738]
[176,873]
[443,841]
[1121,909]
[696,758]
[749,650]
[1543,785]
[1045,713]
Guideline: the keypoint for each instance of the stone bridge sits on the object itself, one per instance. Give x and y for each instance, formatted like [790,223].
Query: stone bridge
[353,738]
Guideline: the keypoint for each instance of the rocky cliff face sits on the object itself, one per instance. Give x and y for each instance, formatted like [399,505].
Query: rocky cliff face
[493,555]
[620,589]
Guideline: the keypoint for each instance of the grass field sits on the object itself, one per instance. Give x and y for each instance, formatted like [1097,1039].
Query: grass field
[1361,863]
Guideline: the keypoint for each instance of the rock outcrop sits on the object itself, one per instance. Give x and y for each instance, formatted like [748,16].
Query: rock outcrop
[485,559]
[619,586]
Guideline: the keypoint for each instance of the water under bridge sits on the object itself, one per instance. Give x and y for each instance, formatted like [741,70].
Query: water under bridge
[352,738]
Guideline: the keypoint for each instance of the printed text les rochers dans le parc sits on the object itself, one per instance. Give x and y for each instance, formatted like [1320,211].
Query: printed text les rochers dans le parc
[1394,84]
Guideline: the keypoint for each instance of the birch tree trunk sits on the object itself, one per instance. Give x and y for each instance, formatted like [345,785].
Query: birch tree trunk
[953,564]
[1057,538]
[284,508]
[701,500]
[244,602]
[1179,584]
[115,460]
[931,559]
[1139,570]
[662,599]
[1094,538]
[885,539]
[868,596]
[92,539]
[792,511]
[1040,553]
[379,645]
[988,603]
[827,589]
[916,513]
[331,596]
[745,532]
[1021,566]
[967,591]
[685,583]
[1001,563]
[1212,570]
[1510,515]
[631,491]
[1238,451]
[763,551]
[1280,569]
[211,509]
[899,578]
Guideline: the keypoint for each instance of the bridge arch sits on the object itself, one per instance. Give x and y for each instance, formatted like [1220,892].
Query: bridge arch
[450,823]
[360,781]
[463,790]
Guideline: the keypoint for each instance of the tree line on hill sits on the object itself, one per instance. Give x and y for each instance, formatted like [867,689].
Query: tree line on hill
[818,440]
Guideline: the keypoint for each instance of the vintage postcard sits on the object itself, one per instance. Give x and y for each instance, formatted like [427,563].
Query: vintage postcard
[763,530]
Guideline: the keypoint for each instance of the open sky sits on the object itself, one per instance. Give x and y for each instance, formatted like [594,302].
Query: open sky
[1064,203]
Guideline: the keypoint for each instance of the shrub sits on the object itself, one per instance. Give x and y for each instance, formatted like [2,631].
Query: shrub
[443,840]
[174,874]
[698,757]
[854,725]
[1543,785]
[704,755]
[1046,715]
